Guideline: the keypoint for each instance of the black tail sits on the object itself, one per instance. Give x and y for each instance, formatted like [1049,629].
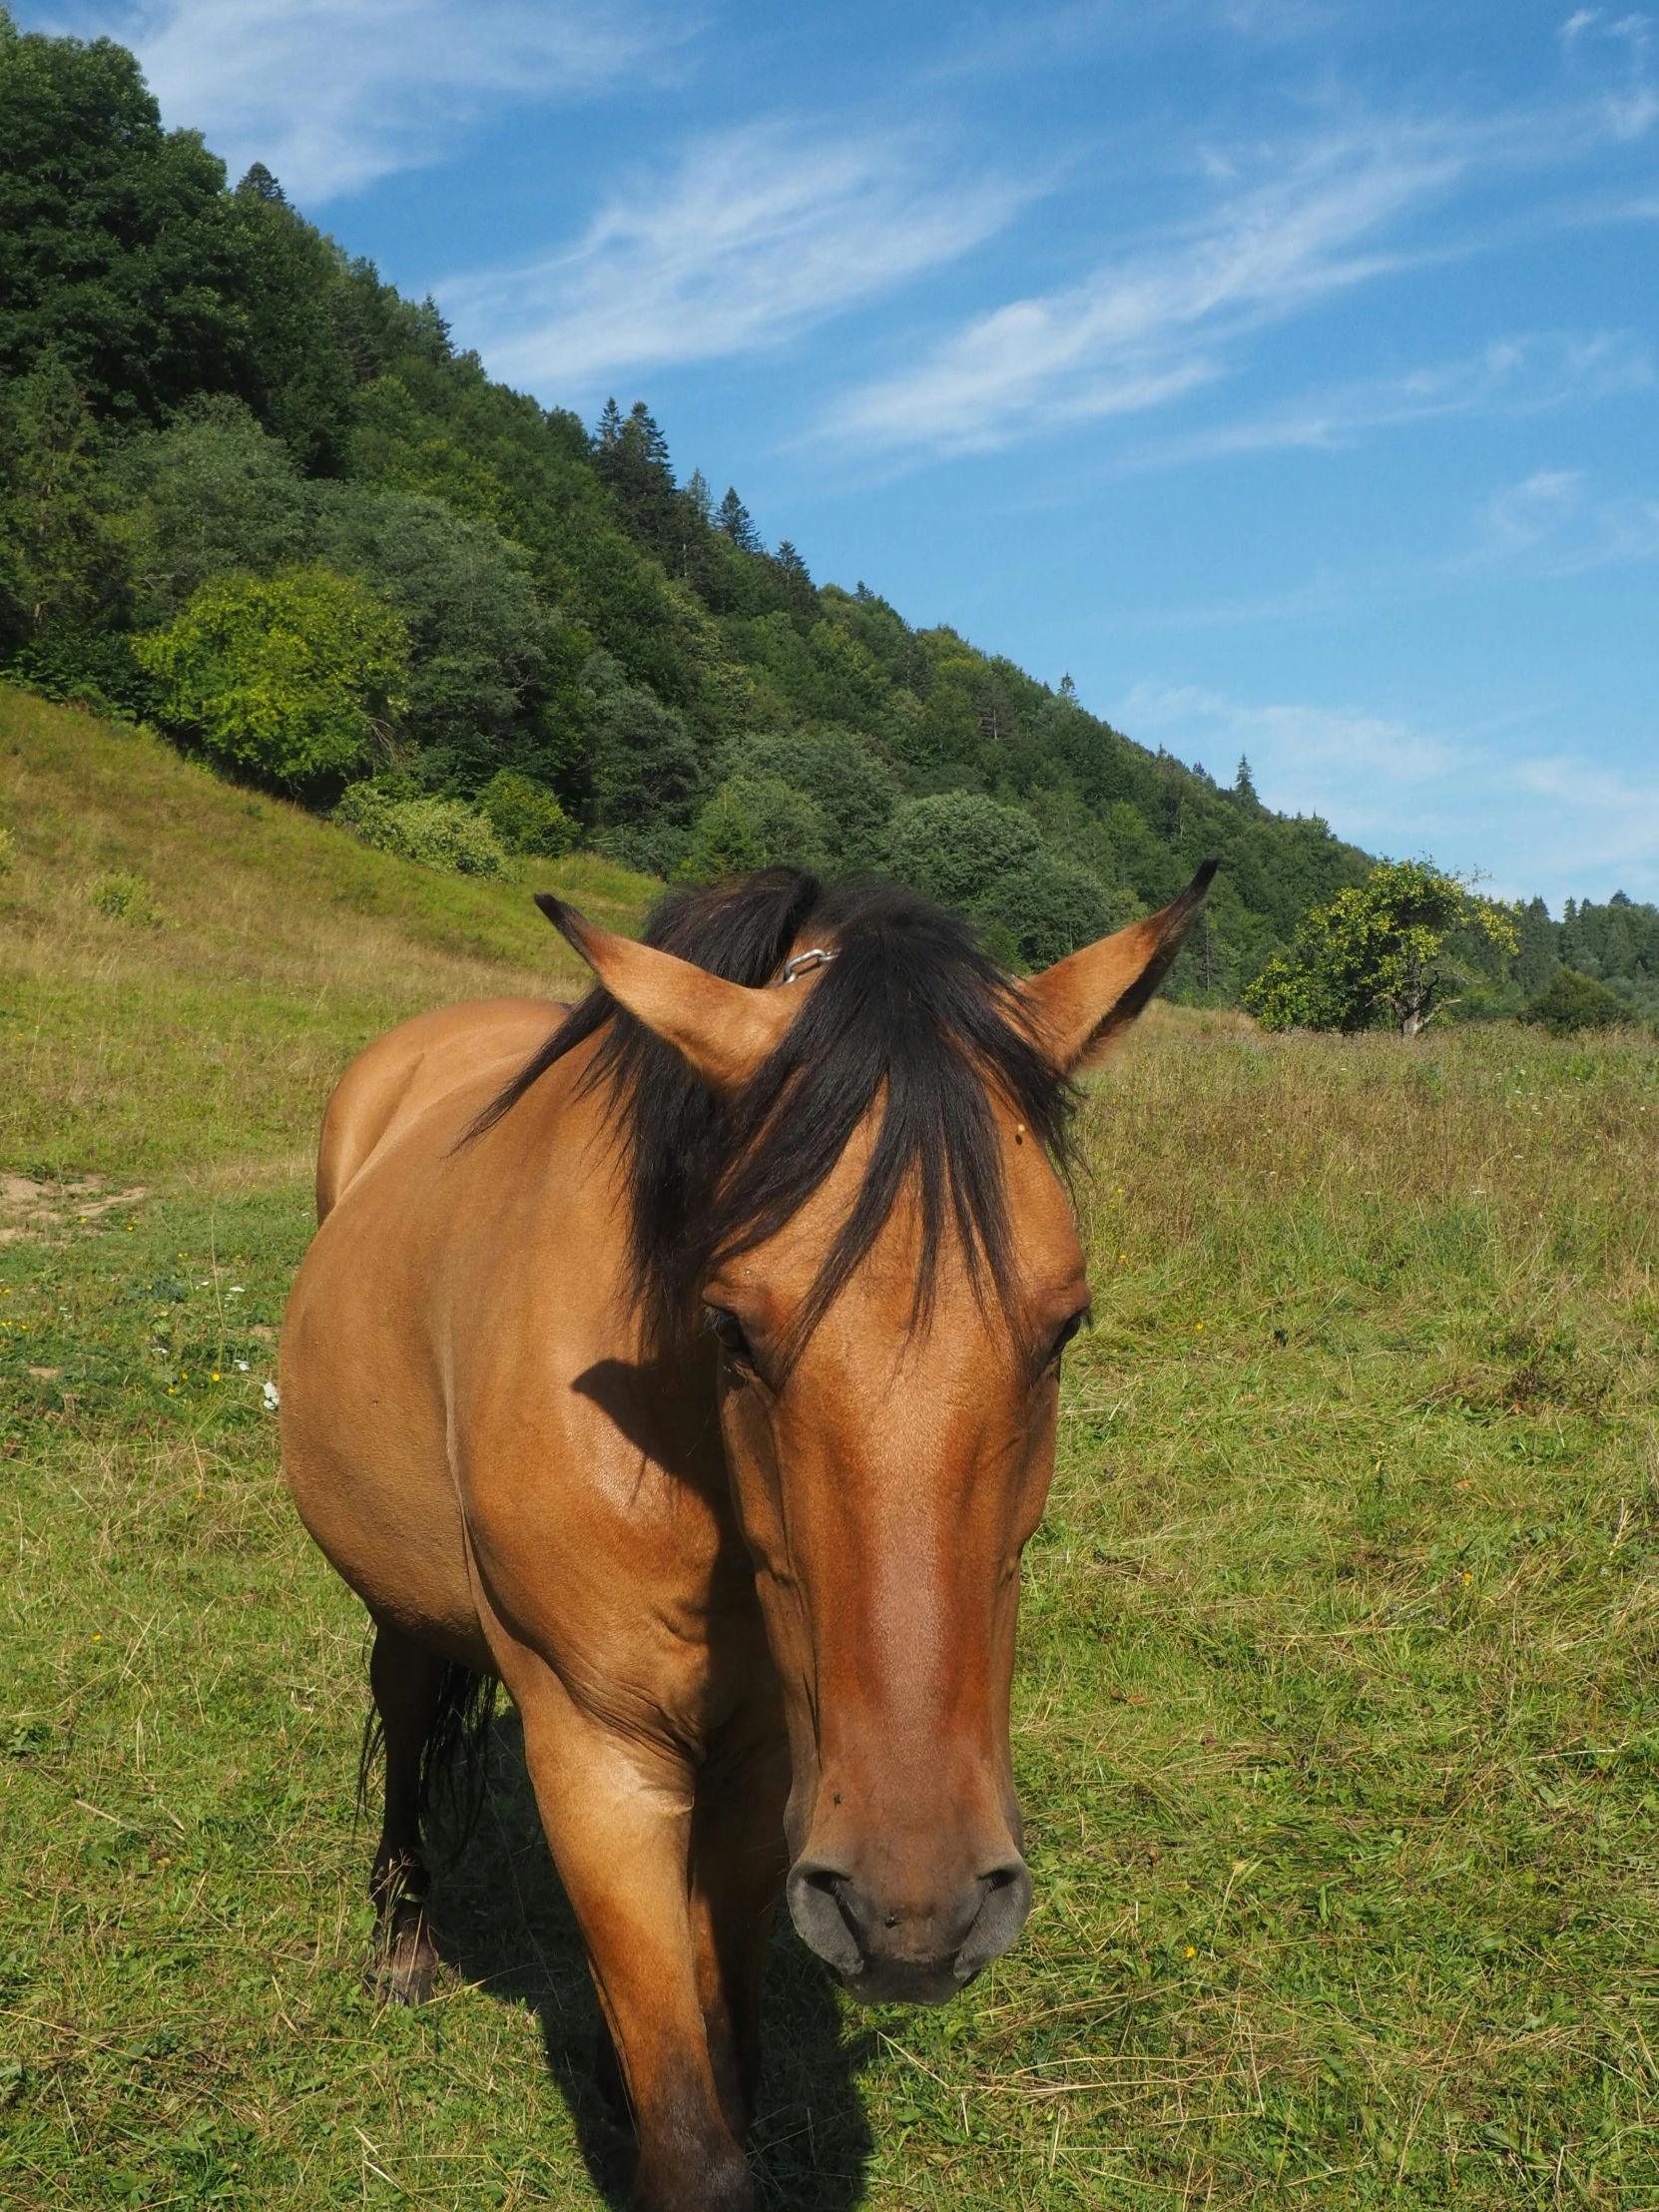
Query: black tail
[454,1760]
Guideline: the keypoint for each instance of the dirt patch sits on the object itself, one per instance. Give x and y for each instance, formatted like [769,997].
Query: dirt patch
[29,1209]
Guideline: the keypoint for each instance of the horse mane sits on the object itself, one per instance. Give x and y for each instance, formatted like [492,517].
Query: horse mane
[912,1015]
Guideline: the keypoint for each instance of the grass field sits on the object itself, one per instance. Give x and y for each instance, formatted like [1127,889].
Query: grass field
[1338,1716]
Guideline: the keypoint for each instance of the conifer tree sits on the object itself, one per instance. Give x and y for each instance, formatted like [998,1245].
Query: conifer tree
[734,519]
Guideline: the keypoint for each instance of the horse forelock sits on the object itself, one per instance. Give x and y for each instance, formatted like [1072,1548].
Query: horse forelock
[912,1021]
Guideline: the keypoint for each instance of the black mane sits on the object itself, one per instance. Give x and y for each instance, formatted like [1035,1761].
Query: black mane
[911,1012]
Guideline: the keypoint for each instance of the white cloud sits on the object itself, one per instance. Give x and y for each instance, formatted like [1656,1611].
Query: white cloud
[1564,825]
[1522,375]
[1341,761]
[759,234]
[330,94]
[1554,523]
[1146,326]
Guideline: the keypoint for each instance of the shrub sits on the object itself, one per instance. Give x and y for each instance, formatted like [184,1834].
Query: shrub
[292,677]
[438,832]
[755,822]
[525,816]
[1571,1002]
[122,897]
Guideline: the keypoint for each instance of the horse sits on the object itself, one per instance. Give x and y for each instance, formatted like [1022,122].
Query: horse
[686,1362]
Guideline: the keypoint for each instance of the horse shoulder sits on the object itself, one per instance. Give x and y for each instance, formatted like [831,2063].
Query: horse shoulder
[410,1068]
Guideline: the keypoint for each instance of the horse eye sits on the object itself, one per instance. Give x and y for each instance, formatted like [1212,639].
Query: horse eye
[1063,1336]
[729,1329]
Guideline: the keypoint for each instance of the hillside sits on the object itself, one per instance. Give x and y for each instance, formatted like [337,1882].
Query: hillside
[186,966]
[209,406]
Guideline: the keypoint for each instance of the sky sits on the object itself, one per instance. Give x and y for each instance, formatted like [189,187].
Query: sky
[1284,371]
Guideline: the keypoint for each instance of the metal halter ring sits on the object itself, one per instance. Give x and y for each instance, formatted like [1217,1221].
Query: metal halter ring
[804,963]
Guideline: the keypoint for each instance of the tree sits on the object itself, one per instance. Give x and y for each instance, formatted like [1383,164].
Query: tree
[215,493]
[755,822]
[479,633]
[63,544]
[1376,954]
[525,816]
[966,851]
[641,763]
[1569,1002]
[117,249]
[734,519]
[293,677]
[852,789]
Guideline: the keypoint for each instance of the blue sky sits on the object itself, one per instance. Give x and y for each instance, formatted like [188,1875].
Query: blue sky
[1283,370]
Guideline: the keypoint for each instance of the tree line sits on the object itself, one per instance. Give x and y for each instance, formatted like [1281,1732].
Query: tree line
[255,497]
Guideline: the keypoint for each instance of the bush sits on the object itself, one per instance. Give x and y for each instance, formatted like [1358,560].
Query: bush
[755,822]
[525,816]
[291,678]
[1571,1002]
[438,832]
[122,897]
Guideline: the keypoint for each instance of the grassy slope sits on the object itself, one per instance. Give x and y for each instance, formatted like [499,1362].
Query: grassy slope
[1336,1709]
[261,950]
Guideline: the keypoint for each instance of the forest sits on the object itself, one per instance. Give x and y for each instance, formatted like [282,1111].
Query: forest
[257,499]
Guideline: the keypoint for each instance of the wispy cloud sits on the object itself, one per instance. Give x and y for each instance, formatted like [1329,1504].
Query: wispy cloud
[755,237]
[1153,322]
[1305,757]
[1551,820]
[1556,525]
[1529,374]
[1288,226]
[331,94]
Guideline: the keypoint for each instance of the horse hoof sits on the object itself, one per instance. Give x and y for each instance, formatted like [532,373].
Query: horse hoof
[406,1965]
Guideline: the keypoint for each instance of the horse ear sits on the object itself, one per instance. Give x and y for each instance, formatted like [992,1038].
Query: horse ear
[725,1030]
[1084,1003]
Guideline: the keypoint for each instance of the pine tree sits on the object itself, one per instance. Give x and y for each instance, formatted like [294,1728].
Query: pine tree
[734,519]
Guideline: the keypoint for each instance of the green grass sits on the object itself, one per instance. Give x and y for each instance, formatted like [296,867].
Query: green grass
[1338,1713]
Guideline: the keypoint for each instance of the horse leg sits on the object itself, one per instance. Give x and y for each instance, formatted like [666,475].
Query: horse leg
[617,1824]
[408,1682]
[738,1863]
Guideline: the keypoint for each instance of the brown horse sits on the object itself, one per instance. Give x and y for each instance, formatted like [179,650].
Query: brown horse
[692,1371]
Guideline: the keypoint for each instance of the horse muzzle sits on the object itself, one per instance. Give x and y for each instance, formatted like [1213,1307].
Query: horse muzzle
[888,1949]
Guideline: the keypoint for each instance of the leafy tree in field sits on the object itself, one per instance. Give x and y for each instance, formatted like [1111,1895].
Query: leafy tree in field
[1571,1001]
[1043,910]
[1376,954]
[443,833]
[293,677]
[525,816]
[755,822]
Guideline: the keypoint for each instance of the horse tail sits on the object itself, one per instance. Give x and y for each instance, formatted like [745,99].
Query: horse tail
[454,1759]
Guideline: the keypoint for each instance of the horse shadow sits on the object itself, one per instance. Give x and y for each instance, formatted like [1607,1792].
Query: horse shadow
[502,1921]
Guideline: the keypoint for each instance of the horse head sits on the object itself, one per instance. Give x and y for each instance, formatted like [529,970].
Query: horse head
[882,1248]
